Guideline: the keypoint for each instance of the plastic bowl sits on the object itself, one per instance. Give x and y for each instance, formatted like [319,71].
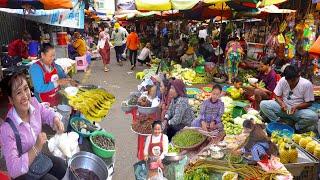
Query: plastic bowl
[71,91]
[252,80]
[200,70]
[98,150]
[282,128]
[75,129]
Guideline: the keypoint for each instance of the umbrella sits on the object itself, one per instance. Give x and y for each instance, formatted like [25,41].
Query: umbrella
[271,2]
[36,4]
[274,9]
[147,5]
[214,1]
[183,4]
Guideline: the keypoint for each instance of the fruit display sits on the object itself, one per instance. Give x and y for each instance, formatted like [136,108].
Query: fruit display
[307,142]
[188,75]
[94,104]
[235,93]
[188,138]
[288,152]
[104,142]
[232,129]
[143,126]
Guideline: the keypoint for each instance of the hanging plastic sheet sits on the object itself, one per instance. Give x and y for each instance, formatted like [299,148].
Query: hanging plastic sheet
[159,5]
[36,4]
[183,4]
[125,5]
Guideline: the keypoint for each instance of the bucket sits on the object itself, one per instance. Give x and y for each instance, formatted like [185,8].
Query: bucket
[62,38]
[65,111]
[33,48]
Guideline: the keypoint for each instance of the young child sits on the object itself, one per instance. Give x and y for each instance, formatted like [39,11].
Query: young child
[236,90]
[257,144]
[211,112]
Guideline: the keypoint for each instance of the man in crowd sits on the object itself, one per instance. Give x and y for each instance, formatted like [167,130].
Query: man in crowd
[294,96]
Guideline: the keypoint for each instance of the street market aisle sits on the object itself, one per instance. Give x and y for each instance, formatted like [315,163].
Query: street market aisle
[120,82]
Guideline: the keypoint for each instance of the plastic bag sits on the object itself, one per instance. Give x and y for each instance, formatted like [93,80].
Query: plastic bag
[159,176]
[140,170]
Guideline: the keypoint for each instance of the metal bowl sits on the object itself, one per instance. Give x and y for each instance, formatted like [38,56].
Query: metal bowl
[173,157]
[89,161]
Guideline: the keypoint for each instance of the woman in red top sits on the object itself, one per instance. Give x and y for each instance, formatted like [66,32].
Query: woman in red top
[19,47]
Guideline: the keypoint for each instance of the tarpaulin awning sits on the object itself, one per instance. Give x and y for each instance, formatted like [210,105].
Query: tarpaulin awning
[158,5]
[183,4]
[214,1]
[274,9]
[36,4]
[271,2]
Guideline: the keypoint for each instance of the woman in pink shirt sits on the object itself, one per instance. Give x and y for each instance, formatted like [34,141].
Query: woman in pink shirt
[28,115]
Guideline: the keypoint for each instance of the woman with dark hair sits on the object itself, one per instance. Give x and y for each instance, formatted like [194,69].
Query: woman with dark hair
[19,47]
[21,134]
[180,113]
[165,96]
[258,144]
[155,148]
[47,77]
[269,77]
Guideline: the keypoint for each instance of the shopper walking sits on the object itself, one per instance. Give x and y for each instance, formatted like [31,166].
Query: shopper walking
[104,47]
[118,36]
[133,45]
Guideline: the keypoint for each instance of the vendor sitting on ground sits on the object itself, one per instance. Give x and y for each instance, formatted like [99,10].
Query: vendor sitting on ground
[189,58]
[235,91]
[155,148]
[180,113]
[211,112]
[269,77]
[27,117]
[294,95]
[145,55]
[257,144]
[47,77]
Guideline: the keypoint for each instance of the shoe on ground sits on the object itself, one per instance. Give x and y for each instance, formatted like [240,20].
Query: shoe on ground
[132,67]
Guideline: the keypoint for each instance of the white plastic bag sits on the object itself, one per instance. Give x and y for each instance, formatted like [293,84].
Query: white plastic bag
[159,176]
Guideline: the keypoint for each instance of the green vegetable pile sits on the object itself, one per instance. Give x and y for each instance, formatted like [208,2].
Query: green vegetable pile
[187,138]
[173,149]
[198,174]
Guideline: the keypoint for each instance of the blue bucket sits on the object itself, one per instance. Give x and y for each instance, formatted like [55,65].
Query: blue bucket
[33,48]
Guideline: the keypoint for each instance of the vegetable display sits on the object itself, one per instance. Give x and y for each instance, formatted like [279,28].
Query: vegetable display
[94,104]
[104,142]
[188,138]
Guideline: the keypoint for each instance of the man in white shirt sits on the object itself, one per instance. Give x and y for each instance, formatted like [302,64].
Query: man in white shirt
[145,55]
[294,96]
[203,33]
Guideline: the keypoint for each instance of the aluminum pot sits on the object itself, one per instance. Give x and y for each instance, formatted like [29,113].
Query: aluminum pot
[89,161]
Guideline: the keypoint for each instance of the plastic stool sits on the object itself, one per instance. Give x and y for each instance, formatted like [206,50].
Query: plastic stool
[4,176]
[82,63]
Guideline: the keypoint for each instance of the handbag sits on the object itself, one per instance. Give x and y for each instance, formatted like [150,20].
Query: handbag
[40,166]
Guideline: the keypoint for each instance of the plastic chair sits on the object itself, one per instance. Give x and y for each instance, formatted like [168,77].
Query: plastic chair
[82,63]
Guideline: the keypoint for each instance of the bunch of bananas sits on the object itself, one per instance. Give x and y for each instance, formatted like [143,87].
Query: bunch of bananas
[94,104]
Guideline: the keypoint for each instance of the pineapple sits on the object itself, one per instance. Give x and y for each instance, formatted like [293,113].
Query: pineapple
[296,138]
[284,155]
[304,141]
[310,146]
[316,151]
[293,154]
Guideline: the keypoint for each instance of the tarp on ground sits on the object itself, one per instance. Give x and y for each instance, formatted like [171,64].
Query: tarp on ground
[36,4]
[148,5]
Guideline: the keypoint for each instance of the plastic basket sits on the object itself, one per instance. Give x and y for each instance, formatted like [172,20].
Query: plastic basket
[98,150]
[282,128]
[192,92]
[75,129]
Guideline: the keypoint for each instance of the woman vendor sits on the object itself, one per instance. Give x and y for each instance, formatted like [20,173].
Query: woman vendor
[269,77]
[155,148]
[47,77]
[25,120]
[180,113]
[257,144]
[165,96]
[79,45]
[211,112]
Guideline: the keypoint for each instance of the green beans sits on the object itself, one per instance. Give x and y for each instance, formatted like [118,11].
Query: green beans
[187,138]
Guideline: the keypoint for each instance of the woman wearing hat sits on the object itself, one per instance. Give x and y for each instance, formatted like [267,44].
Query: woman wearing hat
[180,113]
[189,58]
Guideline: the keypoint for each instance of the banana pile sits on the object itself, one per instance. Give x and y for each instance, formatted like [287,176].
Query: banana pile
[94,104]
